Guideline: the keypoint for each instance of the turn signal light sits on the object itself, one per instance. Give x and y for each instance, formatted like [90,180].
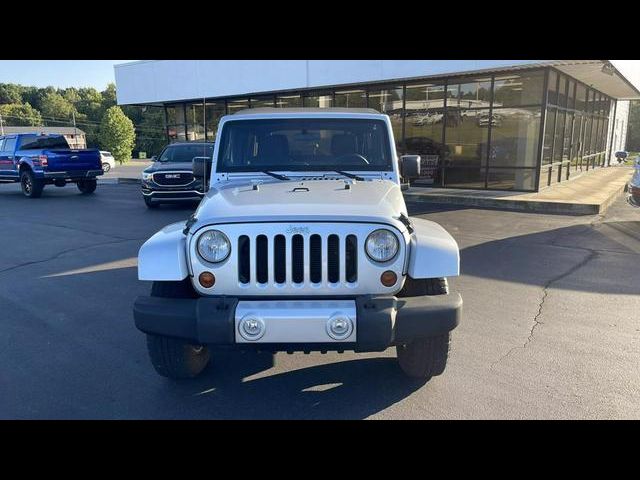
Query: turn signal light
[44,161]
[388,278]
[207,279]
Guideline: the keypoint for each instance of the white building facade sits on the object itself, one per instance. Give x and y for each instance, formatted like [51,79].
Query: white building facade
[488,124]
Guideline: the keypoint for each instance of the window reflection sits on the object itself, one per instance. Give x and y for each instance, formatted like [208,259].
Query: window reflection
[262,102]
[351,99]
[514,137]
[320,100]
[520,89]
[214,111]
[389,101]
[288,101]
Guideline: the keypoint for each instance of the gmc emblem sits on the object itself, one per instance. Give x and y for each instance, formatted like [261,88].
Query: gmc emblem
[172,175]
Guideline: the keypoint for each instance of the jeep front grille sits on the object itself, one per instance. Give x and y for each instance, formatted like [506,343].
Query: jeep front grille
[289,255]
[297,259]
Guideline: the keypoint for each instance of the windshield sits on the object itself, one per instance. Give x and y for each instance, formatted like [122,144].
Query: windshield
[41,142]
[304,144]
[185,153]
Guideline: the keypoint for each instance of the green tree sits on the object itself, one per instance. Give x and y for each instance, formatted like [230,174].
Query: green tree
[109,96]
[55,106]
[10,94]
[20,115]
[117,134]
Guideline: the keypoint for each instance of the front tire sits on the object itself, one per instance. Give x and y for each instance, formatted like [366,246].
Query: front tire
[423,358]
[174,357]
[150,204]
[106,167]
[31,186]
[87,186]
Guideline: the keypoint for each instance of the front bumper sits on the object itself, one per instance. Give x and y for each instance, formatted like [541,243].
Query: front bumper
[382,321]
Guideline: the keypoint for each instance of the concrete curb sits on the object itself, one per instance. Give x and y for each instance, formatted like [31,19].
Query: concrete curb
[533,206]
[118,180]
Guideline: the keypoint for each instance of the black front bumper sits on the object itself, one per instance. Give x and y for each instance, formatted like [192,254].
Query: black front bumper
[382,321]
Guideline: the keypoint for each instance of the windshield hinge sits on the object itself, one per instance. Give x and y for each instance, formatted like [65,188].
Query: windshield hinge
[406,222]
[192,219]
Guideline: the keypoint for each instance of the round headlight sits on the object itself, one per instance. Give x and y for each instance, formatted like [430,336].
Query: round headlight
[214,246]
[381,245]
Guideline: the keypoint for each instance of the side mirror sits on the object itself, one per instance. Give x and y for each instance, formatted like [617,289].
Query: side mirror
[202,167]
[410,165]
[153,159]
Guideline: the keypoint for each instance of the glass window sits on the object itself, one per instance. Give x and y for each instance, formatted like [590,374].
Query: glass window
[562,91]
[10,144]
[518,89]
[318,100]
[466,137]
[262,102]
[289,101]
[424,122]
[39,142]
[175,114]
[549,134]
[1,144]
[512,179]
[195,121]
[389,101]
[185,153]
[581,97]
[576,146]
[557,146]
[234,106]
[568,130]
[214,111]
[351,99]
[465,177]
[319,144]
[514,137]
[470,94]
[553,88]
[571,94]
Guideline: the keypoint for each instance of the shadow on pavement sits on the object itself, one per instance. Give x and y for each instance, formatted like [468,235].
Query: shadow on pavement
[351,389]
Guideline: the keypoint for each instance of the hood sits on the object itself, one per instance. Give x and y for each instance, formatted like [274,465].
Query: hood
[371,200]
[173,166]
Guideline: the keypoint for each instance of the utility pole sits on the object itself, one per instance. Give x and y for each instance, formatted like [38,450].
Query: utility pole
[74,124]
[1,125]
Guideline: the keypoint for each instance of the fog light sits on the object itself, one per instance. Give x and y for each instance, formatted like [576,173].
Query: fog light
[388,278]
[339,327]
[207,279]
[252,328]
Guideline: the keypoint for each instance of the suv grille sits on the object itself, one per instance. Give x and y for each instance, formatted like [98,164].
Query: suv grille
[287,256]
[173,179]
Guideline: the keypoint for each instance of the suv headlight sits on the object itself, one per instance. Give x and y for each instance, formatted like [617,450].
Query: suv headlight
[381,245]
[146,176]
[214,246]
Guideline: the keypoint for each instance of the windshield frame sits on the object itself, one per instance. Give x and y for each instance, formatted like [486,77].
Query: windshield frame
[388,145]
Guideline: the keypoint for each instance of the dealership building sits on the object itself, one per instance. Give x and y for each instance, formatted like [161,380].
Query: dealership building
[482,124]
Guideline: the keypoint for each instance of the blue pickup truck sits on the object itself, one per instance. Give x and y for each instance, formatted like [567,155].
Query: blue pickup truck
[36,160]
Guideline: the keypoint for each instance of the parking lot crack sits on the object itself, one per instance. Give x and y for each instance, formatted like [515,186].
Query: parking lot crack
[62,253]
[536,322]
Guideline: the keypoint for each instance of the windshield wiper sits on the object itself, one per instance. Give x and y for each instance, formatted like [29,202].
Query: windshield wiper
[350,175]
[276,175]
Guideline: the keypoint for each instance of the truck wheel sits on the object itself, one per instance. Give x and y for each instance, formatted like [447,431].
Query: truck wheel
[150,204]
[31,186]
[173,357]
[424,357]
[87,186]
[106,167]
[176,358]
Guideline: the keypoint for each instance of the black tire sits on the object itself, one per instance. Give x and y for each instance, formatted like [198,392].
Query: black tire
[87,186]
[173,357]
[31,186]
[176,358]
[150,204]
[106,167]
[424,358]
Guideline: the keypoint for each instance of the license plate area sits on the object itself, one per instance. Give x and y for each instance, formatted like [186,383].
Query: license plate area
[296,321]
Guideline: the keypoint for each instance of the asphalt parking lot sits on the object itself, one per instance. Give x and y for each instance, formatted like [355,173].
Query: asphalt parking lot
[550,330]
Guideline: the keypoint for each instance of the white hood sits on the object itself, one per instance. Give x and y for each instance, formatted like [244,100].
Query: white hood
[371,200]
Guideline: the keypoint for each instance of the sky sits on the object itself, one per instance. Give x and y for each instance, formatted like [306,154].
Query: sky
[59,73]
[98,73]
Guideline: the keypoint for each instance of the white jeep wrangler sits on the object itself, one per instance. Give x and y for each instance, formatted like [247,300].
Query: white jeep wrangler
[302,243]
